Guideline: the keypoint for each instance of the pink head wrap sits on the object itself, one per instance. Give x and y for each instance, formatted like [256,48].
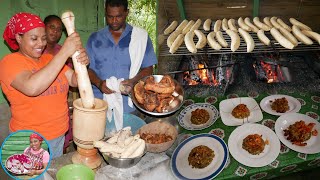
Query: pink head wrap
[20,23]
[36,136]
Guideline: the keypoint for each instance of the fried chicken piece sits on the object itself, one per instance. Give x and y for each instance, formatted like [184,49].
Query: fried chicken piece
[139,92]
[151,101]
[163,103]
[150,80]
[166,85]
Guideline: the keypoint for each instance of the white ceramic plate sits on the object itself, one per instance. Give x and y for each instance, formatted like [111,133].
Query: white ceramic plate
[226,107]
[284,121]
[294,104]
[184,117]
[269,154]
[179,161]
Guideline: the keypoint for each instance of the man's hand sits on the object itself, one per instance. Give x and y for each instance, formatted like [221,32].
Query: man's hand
[104,89]
[83,57]
[126,86]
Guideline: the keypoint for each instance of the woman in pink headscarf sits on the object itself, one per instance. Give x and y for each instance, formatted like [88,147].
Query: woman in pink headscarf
[38,156]
[37,84]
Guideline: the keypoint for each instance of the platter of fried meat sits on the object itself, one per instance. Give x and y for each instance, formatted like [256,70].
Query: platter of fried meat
[158,95]
[280,104]
[254,145]
[299,132]
[201,156]
[198,116]
[237,111]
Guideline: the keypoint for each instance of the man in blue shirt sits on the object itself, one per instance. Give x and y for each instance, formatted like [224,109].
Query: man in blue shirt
[108,50]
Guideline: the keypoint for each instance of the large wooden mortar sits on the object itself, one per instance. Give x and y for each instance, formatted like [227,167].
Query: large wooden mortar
[88,126]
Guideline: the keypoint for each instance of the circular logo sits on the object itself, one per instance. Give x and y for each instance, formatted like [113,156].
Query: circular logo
[288,168]
[259,176]
[269,123]
[20,159]
[211,100]
[230,96]
[218,132]
[315,99]
[313,115]
[302,102]
[253,94]
[187,102]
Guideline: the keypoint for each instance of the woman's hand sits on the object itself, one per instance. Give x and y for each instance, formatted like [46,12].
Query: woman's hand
[71,44]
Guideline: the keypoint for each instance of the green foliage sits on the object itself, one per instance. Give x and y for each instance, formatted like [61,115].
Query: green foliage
[142,13]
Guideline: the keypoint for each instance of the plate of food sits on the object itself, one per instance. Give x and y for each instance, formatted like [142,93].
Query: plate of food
[198,116]
[280,104]
[158,95]
[299,132]
[18,164]
[201,156]
[254,145]
[237,111]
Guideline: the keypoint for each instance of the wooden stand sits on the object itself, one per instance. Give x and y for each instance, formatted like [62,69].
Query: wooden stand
[88,157]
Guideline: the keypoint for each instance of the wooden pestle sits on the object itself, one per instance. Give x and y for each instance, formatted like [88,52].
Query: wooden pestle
[84,84]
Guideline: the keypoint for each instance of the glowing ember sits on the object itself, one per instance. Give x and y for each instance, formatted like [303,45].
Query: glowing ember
[269,72]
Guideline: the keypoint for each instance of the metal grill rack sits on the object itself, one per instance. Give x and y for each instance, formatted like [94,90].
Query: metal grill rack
[259,46]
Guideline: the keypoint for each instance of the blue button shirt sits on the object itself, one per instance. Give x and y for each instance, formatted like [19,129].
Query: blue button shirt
[109,59]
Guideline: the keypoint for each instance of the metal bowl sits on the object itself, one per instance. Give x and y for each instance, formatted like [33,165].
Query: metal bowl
[168,119]
[180,98]
[123,162]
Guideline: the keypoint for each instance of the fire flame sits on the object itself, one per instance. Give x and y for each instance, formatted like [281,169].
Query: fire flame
[203,75]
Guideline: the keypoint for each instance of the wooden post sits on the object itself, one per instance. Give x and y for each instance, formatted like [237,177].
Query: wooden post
[181,9]
[256,5]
